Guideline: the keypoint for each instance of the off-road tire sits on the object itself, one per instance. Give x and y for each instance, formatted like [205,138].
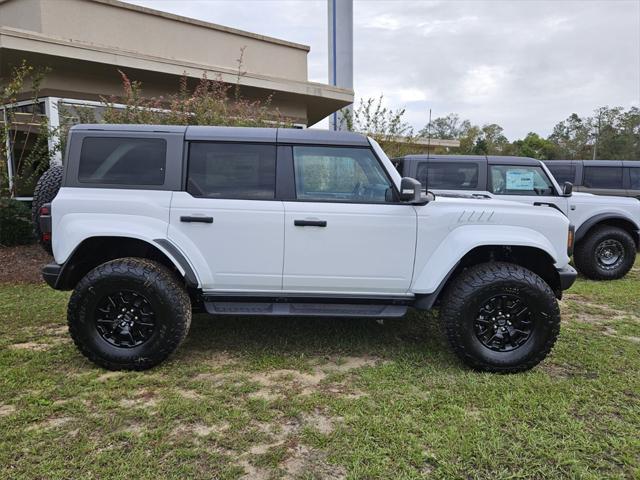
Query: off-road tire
[46,190]
[462,301]
[585,256]
[158,284]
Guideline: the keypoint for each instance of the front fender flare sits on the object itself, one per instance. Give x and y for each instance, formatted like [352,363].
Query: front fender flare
[462,240]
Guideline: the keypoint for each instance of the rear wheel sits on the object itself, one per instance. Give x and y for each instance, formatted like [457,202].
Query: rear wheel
[607,253]
[129,314]
[500,317]
[46,190]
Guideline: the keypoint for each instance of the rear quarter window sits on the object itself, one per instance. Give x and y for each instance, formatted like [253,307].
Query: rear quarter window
[122,161]
[603,177]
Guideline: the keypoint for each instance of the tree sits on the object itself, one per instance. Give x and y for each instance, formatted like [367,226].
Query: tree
[534,146]
[446,128]
[573,137]
[386,126]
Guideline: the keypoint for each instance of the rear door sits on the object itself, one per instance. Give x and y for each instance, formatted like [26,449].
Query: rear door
[562,170]
[344,231]
[603,179]
[228,219]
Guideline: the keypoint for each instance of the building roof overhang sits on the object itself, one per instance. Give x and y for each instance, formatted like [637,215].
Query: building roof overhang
[321,100]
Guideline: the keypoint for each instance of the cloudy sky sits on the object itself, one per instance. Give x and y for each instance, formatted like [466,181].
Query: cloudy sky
[522,64]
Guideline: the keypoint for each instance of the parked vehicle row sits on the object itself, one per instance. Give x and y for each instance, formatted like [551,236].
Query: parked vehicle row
[600,177]
[607,228]
[152,222]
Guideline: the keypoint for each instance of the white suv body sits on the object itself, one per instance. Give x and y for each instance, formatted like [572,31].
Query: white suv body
[285,222]
[607,227]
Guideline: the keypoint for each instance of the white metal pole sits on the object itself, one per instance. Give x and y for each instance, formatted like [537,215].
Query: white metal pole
[53,119]
[8,148]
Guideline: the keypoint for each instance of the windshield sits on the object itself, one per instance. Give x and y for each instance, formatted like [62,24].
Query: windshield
[388,165]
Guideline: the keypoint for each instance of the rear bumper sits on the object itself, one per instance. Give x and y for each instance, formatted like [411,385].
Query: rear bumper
[52,274]
[567,276]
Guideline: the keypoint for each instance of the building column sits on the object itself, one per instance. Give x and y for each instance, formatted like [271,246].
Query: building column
[340,52]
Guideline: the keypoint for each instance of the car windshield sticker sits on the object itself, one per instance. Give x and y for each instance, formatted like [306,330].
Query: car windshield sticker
[519,180]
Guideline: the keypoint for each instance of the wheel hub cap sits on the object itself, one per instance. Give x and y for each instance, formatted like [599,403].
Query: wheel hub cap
[504,323]
[125,319]
[609,254]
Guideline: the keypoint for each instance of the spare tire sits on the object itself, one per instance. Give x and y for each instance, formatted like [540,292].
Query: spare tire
[46,190]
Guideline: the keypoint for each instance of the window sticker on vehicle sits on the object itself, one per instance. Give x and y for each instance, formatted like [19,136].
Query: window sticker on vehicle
[519,180]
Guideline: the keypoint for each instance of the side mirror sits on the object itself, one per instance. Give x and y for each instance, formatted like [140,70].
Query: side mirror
[567,189]
[411,190]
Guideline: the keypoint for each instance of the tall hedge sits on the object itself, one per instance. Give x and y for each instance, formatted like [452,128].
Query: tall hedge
[15,223]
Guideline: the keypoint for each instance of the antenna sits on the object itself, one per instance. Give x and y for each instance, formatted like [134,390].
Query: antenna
[429,136]
[426,183]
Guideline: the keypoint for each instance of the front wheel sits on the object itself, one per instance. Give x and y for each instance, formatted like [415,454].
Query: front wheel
[500,317]
[129,314]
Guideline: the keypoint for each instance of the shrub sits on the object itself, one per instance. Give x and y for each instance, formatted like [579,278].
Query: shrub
[15,223]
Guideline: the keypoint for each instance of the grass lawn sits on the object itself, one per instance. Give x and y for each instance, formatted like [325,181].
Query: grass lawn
[301,398]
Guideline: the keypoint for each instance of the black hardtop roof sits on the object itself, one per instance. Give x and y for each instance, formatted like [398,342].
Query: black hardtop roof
[490,159]
[240,134]
[597,163]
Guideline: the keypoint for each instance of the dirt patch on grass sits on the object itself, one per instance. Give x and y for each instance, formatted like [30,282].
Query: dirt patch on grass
[320,422]
[50,423]
[6,410]
[105,377]
[23,264]
[33,346]
[199,429]
[304,460]
[565,371]
[278,383]
[143,399]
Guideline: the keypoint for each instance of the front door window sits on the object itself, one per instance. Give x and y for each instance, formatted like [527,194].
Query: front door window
[338,174]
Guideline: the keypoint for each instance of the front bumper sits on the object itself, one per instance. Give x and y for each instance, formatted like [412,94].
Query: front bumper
[567,276]
[52,274]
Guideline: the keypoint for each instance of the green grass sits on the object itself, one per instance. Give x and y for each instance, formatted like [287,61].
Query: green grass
[308,398]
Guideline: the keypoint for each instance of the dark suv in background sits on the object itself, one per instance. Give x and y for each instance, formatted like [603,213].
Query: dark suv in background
[601,177]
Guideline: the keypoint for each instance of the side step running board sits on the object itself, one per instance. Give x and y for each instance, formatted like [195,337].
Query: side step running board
[305,309]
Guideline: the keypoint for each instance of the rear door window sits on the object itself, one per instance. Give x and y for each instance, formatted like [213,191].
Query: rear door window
[603,177]
[634,176]
[123,161]
[226,170]
[448,176]
[562,173]
[520,180]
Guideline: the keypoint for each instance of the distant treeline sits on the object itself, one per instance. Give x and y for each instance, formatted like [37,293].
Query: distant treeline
[612,132]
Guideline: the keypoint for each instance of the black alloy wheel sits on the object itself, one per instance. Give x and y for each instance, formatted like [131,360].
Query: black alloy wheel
[504,323]
[125,319]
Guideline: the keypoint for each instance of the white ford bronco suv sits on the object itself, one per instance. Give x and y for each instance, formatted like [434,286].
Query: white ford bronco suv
[607,228]
[153,222]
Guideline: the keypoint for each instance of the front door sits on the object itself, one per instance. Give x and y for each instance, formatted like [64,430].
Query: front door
[229,219]
[526,184]
[345,233]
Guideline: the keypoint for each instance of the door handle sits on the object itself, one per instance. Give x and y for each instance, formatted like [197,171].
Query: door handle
[310,223]
[193,219]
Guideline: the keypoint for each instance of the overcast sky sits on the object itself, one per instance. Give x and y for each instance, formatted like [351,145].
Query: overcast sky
[522,64]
